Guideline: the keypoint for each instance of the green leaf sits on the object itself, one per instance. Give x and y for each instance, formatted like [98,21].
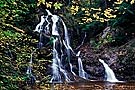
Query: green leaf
[1,5]
[57,5]
[130,11]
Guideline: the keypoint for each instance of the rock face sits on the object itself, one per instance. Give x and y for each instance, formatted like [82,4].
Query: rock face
[125,69]
[91,64]
[120,59]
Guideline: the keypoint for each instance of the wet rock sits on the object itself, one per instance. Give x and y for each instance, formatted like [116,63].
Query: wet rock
[120,59]
[91,64]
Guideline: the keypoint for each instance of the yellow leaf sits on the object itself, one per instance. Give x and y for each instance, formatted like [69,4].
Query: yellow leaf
[48,4]
[41,2]
[38,3]
[132,2]
[83,9]
[76,8]
[86,11]
[96,9]
[57,5]
[119,2]
[89,20]
[87,14]
[94,15]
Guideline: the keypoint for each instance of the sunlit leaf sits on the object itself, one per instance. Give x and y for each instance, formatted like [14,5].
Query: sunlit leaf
[1,5]
[41,2]
[57,5]
[119,2]
[48,4]
[132,2]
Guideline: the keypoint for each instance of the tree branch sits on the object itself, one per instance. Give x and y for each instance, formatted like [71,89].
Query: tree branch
[82,42]
[16,28]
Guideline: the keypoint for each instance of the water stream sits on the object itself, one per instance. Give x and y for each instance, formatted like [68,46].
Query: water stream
[62,50]
[58,44]
[32,78]
[82,73]
[109,72]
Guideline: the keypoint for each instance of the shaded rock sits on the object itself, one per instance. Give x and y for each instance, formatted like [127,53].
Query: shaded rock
[120,59]
[91,64]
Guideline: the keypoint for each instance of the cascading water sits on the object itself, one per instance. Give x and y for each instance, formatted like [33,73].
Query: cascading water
[62,50]
[82,73]
[29,69]
[68,48]
[56,58]
[56,64]
[71,69]
[109,72]
[58,43]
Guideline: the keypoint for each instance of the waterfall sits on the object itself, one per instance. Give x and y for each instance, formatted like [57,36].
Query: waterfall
[82,73]
[67,42]
[61,47]
[55,65]
[109,72]
[39,27]
[29,69]
[68,48]
[55,19]
[71,69]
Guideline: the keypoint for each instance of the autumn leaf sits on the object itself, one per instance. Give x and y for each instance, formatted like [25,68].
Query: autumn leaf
[41,2]
[132,2]
[48,4]
[57,5]
[119,2]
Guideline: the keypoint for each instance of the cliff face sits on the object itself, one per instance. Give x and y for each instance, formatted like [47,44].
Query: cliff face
[120,59]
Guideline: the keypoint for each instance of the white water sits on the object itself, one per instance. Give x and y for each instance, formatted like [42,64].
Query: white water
[109,72]
[29,68]
[55,19]
[48,12]
[68,52]
[57,67]
[71,69]
[39,27]
[82,73]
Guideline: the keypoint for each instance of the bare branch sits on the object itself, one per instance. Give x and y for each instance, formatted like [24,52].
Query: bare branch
[82,42]
[16,28]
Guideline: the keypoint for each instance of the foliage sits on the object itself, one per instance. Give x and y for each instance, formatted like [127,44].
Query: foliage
[17,13]
[14,57]
[16,47]
[91,16]
[55,5]
[93,11]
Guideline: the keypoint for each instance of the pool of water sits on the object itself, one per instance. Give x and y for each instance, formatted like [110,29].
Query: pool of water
[89,85]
